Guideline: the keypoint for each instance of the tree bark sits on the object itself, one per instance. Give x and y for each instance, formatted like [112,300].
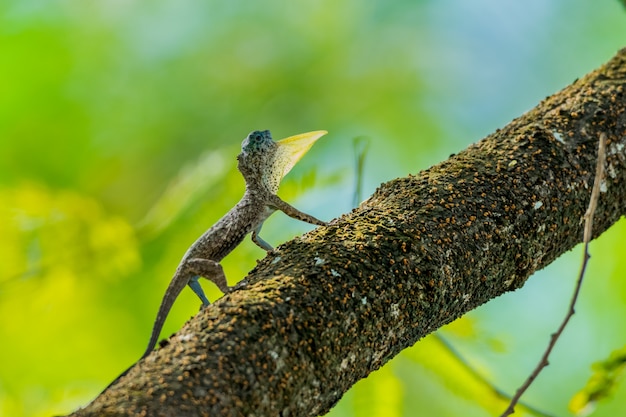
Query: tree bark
[328,308]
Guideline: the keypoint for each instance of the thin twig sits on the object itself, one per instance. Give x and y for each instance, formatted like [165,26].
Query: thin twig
[593,202]
[361,145]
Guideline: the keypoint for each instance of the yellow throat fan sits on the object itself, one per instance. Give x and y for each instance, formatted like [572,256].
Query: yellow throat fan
[291,149]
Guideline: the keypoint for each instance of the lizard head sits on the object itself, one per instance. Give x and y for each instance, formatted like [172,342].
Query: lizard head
[262,159]
[257,142]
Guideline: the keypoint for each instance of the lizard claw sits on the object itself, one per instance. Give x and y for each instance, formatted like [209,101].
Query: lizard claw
[241,284]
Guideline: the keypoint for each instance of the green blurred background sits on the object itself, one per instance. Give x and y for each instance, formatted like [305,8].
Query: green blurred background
[120,121]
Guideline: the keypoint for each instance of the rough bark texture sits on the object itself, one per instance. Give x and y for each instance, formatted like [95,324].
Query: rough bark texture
[334,305]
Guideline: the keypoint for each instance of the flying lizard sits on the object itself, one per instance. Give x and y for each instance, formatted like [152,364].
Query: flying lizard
[263,163]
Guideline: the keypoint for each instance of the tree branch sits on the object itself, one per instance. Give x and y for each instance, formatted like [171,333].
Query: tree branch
[330,307]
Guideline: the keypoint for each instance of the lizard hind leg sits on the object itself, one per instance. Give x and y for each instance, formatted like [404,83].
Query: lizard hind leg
[208,269]
[197,288]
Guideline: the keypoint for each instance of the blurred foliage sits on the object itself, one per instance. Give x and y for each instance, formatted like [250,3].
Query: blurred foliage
[59,251]
[119,126]
[602,384]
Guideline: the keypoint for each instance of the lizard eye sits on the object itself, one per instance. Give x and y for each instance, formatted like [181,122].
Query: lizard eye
[256,140]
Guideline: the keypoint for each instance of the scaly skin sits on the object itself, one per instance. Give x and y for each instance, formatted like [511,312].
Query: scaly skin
[263,164]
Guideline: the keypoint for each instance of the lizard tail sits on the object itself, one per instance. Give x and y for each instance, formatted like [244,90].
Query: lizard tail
[173,290]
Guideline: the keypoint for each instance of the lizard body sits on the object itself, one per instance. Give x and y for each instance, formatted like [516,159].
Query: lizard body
[263,163]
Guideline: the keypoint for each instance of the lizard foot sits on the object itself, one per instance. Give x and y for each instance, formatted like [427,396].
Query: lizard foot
[241,284]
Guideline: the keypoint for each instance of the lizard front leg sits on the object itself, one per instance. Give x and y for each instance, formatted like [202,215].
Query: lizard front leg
[259,241]
[293,212]
[208,269]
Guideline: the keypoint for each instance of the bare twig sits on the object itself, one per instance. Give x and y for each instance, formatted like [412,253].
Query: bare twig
[593,202]
[361,146]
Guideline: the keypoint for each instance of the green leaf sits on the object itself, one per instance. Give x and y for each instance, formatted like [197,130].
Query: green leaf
[602,383]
